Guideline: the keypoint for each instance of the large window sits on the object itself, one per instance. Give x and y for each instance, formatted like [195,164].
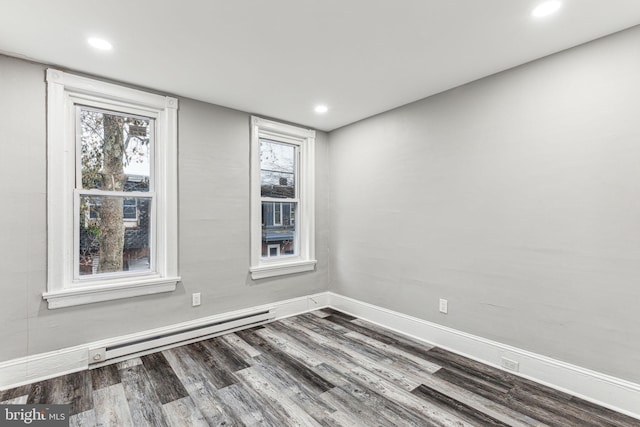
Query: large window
[114,177]
[282,234]
[112,174]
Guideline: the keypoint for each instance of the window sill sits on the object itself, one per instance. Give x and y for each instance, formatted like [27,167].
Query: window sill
[280,269]
[90,294]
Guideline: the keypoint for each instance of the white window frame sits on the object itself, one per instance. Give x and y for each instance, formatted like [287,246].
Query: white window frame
[304,259]
[64,92]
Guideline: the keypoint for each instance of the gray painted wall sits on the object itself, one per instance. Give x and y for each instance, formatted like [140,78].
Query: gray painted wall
[515,197]
[213,227]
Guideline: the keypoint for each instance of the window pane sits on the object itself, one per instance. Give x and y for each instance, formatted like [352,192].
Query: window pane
[277,214]
[114,234]
[130,209]
[278,229]
[115,151]
[277,169]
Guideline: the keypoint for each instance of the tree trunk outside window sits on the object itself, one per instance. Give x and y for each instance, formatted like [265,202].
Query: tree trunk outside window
[111,213]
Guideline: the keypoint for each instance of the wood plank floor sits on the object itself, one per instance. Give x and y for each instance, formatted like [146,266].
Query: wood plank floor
[318,369]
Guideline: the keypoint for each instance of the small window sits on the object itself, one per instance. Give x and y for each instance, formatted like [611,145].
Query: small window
[277,213]
[273,250]
[92,208]
[282,199]
[92,205]
[130,209]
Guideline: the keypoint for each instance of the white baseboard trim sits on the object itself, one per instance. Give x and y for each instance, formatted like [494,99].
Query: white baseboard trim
[614,393]
[620,395]
[26,370]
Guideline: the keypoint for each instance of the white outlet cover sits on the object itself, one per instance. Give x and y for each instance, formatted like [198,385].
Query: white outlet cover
[195,299]
[511,365]
[444,306]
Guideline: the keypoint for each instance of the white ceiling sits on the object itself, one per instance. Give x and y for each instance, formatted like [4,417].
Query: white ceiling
[279,58]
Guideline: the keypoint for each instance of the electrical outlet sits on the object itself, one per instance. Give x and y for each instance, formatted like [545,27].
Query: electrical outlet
[511,365]
[195,299]
[444,306]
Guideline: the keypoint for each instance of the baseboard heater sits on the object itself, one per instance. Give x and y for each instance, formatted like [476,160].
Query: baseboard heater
[177,337]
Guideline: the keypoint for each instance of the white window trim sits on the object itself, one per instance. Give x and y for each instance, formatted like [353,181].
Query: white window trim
[63,92]
[304,260]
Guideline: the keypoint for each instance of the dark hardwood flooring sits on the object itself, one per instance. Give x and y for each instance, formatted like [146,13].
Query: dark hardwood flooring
[322,368]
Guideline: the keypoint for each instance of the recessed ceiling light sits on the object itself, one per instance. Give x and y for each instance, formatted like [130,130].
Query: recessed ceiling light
[321,109]
[546,8]
[101,44]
